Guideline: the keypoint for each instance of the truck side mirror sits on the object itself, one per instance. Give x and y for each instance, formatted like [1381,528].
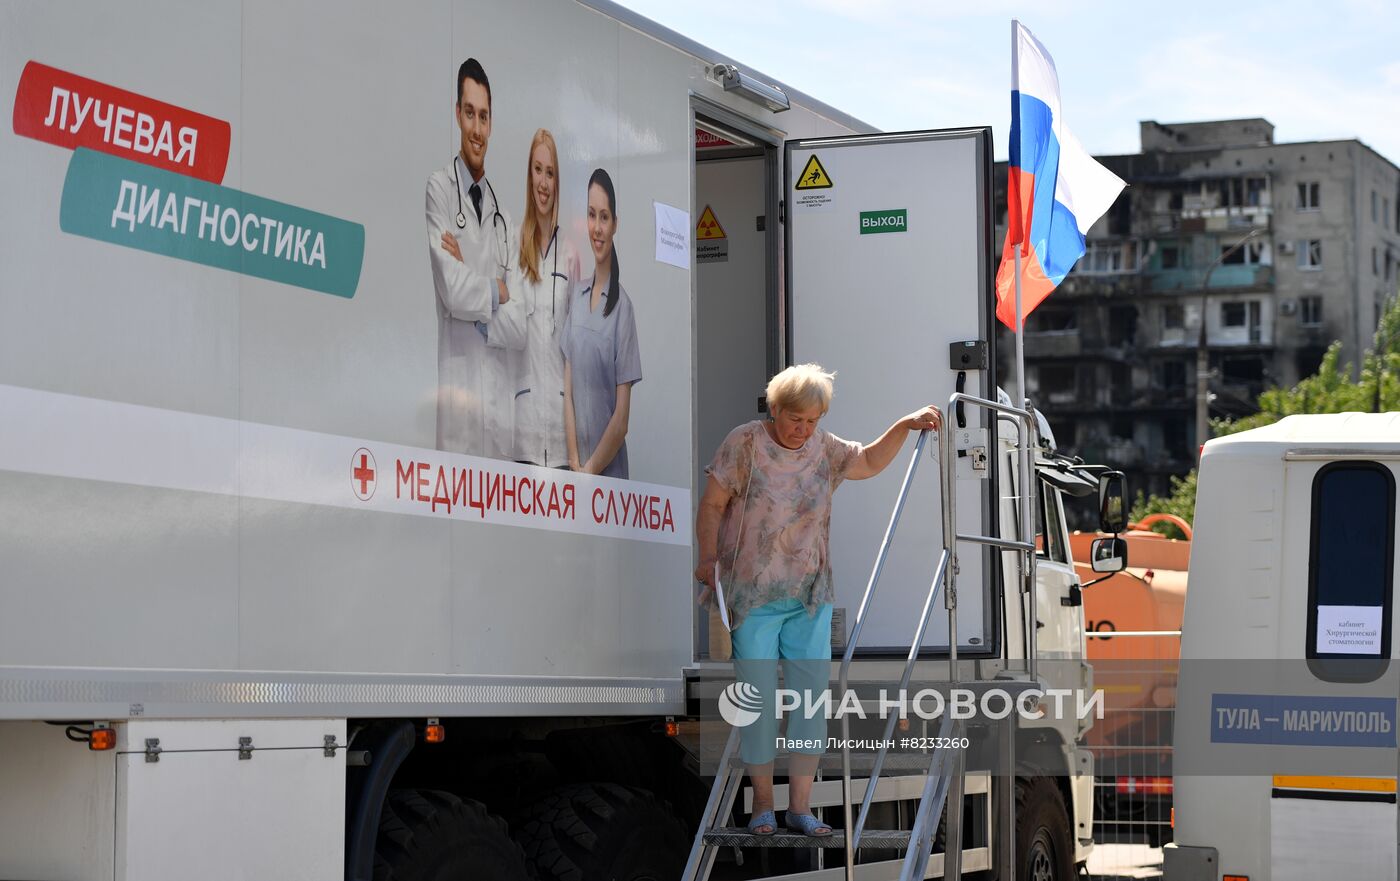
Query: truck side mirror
[1108,555]
[1113,516]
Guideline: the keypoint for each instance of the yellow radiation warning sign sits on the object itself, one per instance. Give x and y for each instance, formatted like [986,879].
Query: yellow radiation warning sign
[708,227]
[814,176]
[711,244]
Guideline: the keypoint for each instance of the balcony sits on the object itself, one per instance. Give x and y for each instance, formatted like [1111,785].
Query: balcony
[1054,344]
[1231,276]
[1084,284]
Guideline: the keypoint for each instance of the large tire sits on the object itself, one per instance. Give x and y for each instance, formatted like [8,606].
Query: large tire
[427,835]
[1044,844]
[604,832]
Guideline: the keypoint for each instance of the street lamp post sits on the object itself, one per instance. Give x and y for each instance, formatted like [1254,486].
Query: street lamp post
[1202,353]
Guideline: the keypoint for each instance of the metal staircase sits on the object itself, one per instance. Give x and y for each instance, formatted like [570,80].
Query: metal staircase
[942,769]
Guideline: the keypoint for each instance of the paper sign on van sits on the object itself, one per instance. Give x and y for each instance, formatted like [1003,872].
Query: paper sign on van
[1349,630]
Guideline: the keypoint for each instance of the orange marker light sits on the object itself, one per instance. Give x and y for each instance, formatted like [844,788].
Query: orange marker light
[434,731]
[673,728]
[102,739]
[1235,878]
[1144,786]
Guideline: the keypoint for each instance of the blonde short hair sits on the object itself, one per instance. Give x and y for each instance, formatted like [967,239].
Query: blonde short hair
[799,387]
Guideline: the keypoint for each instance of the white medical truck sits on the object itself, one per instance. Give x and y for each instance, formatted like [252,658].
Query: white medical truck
[257,621]
[1285,750]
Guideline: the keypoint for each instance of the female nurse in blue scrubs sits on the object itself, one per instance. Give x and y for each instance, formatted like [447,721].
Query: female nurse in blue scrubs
[601,359]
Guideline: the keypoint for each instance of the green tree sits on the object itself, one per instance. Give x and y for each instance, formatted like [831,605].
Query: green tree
[1330,390]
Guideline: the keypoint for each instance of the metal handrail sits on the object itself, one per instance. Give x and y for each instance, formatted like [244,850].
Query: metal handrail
[883,751]
[853,640]
[946,577]
[937,787]
[1025,436]
[715,803]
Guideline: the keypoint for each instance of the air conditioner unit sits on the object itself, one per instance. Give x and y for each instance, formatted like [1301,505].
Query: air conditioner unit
[1285,246]
[1287,307]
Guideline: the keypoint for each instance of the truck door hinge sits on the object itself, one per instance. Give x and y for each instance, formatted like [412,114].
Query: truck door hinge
[245,748]
[1075,598]
[329,746]
[153,749]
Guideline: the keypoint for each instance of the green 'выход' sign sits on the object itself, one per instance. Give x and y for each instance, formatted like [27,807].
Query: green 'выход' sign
[893,220]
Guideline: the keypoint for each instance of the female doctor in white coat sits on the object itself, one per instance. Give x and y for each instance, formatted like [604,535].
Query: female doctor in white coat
[548,266]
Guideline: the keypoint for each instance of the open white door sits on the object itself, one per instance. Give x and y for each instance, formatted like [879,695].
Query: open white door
[888,263]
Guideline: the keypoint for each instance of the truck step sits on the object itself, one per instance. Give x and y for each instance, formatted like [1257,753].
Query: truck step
[738,836]
[907,762]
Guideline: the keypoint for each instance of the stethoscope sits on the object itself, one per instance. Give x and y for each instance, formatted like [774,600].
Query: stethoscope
[554,277]
[498,223]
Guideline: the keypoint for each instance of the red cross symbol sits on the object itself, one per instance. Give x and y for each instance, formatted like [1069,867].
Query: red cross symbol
[362,471]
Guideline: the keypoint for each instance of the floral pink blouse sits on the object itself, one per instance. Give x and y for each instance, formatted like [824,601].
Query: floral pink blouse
[773,541]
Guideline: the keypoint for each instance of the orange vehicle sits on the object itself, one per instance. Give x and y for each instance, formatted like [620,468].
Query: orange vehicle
[1133,619]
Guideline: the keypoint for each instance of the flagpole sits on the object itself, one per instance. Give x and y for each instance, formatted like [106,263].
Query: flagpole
[1020,319]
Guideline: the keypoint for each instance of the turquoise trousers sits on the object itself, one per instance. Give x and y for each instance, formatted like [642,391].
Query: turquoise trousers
[783,630]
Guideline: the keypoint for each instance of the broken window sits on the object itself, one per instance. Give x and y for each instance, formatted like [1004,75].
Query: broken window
[1309,359]
[1122,325]
[1057,379]
[1232,314]
[1310,311]
[1174,438]
[1256,191]
[1310,254]
[1242,370]
[1252,254]
[1051,320]
[1170,375]
[1106,258]
[1309,196]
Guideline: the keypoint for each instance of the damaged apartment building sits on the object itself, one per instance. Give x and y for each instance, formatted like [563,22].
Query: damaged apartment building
[1111,356]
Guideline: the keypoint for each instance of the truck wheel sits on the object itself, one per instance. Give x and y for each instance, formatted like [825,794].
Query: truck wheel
[604,832]
[427,835]
[1044,846]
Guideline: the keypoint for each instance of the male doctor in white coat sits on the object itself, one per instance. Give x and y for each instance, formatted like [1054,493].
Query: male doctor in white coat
[471,241]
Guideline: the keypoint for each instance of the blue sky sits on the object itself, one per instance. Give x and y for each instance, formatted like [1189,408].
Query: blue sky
[1316,70]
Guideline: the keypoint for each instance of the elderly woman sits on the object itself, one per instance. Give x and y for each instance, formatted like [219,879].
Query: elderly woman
[764,523]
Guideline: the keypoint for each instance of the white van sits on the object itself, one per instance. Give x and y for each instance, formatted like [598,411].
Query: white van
[1285,728]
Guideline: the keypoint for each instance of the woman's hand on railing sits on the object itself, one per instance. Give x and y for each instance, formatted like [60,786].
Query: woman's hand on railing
[929,418]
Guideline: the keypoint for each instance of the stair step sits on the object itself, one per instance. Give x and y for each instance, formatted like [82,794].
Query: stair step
[738,836]
[916,763]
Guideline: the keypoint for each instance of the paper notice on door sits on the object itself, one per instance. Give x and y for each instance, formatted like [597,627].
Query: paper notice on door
[1349,630]
[672,235]
[723,604]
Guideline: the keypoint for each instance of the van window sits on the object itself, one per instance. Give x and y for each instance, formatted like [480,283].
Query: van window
[1351,563]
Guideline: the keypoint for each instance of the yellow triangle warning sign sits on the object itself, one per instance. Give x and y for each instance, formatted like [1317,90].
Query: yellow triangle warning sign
[708,227]
[813,176]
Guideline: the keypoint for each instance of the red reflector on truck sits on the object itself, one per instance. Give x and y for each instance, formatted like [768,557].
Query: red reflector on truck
[1144,786]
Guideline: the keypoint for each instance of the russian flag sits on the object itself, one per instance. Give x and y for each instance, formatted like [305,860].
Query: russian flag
[1055,190]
